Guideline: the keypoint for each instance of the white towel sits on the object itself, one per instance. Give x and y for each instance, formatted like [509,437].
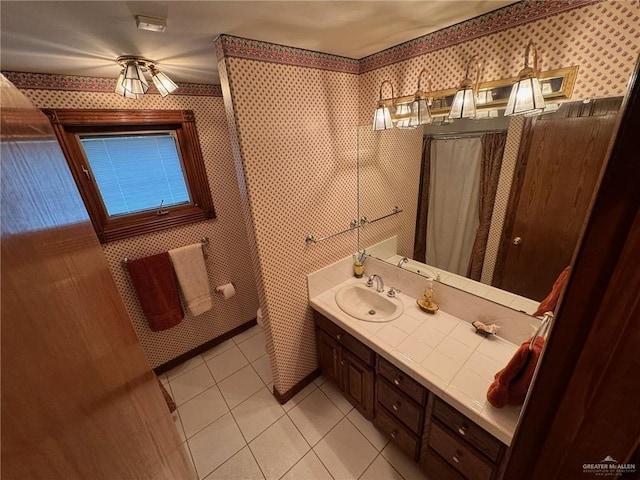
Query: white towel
[188,263]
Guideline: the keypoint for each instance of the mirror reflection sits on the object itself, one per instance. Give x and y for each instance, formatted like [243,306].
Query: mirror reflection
[494,206]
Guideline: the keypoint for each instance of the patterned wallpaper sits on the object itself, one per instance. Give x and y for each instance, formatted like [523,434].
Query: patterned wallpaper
[295,144]
[228,257]
[292,124]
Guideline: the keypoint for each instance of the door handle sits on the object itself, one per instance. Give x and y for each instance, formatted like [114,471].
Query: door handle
[517,241]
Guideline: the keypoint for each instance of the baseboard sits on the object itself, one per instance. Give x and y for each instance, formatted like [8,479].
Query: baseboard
[204,347]
[289,394]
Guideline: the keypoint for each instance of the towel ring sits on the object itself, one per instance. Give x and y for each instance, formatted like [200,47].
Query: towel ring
[544,325]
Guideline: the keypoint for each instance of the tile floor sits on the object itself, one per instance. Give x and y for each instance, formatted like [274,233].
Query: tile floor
[233,427]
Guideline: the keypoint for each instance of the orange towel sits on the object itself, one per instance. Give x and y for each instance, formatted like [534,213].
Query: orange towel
[550,302]
[155,284]
[510,385]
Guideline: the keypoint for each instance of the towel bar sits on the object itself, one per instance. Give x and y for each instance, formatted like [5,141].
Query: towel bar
[204,241]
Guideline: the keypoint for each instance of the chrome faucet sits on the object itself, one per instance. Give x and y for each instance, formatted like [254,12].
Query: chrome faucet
[379,284]
[402,261]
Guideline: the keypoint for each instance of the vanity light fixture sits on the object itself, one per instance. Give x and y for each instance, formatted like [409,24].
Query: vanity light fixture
[464,101]
[132,83]
[420,114]
[382,115]
[403,114]
[526,94]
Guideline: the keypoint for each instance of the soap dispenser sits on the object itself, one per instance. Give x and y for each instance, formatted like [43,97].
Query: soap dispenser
[426,303]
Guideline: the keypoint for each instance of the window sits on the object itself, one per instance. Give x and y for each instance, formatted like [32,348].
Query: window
[138,171]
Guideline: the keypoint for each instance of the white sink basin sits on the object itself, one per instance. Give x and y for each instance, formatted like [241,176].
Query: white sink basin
[364,303]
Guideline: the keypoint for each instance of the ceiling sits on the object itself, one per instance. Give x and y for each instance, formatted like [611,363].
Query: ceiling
[85,37]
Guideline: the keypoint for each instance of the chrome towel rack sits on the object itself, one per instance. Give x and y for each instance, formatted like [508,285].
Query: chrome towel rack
[354,225]
[204,241]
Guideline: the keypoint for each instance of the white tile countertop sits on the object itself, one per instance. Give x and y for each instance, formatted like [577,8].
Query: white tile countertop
[441,352]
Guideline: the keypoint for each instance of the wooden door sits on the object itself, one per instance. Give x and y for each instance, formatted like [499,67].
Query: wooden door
[357,383]
[329,357]
[560,159]
[79,399]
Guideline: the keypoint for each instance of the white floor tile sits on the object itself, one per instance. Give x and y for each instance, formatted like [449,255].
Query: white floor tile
[336,396]
[278,448]
[366,428]
[241,337]
[315,416]
[184,367]
[242,466]
[298,397]
[214,445]
[455,350]
[257,413]
[403,464]
[254,347]
[320,380]
[218,349]
[191,383]
[308,468]
[345,452]
[202,410]
[381,469]
[240,386]
[263,368]
[226,363]
[441,365]
[185,447]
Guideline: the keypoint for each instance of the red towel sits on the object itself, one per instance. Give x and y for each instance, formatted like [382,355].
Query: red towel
[510,385]
[550,302]
[155,284]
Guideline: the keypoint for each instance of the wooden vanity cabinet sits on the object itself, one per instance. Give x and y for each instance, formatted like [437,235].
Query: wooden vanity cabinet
[347,362]
[456,448]
[400,407]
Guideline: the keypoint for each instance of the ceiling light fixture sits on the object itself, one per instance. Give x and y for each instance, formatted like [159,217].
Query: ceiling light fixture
[526,94]
[464,101]
[382,115]
[420,114]
[151,24]
[132,83]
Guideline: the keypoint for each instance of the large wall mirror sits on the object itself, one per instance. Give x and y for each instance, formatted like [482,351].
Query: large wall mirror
[495,206]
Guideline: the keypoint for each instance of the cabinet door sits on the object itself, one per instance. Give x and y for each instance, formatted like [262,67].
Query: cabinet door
[357,380]
[329,357]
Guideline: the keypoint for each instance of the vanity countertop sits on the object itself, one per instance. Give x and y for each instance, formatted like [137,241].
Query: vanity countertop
[441,352]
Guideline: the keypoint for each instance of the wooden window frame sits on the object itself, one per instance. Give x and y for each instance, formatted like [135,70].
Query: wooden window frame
[68,124]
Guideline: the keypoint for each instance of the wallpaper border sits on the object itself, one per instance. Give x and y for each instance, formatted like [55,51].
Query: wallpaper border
[230,46]
[50,81]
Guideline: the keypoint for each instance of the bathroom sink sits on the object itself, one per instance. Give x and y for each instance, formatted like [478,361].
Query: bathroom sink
[365,303]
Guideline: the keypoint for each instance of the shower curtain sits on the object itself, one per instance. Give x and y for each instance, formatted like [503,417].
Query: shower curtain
[453,202]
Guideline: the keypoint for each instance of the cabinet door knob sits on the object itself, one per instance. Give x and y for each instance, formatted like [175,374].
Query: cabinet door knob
[394,434]
[462,430]
[397,380]
[339,336]
[396,406]
[456,457]
[341,362]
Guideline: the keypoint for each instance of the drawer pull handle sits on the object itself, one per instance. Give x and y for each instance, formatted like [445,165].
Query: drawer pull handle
[396,406]
[456,457]
[462,430]
[339,336]
[394,434]
[397,380]
[342,362]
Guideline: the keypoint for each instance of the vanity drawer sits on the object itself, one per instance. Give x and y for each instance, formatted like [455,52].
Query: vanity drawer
[401,436]
[400,406]
[402,381]
[349,342]
[437,467]
[459,455]
[464,428]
